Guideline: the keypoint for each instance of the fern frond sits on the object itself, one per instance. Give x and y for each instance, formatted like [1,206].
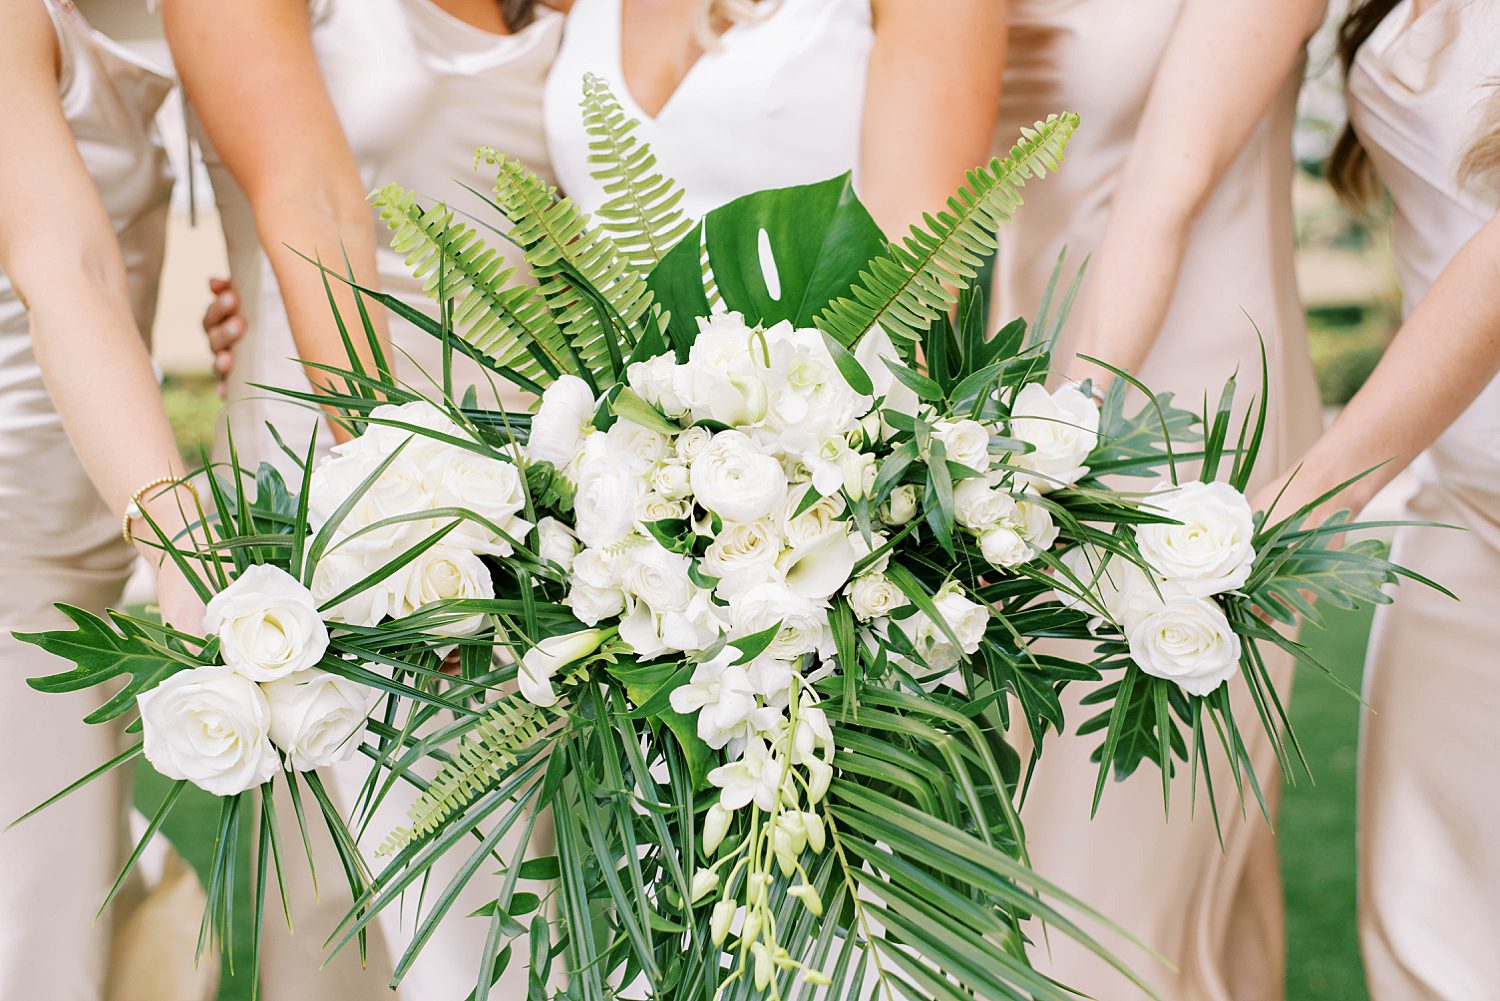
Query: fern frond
[562,248]
[478,765]
[508,321]
[644,215]
[914,286]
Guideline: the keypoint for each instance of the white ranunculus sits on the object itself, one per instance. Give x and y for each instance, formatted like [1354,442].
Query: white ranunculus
[557,428]
[592,605]
[1210,551]
[1186,640]
[317,718]
[873,596]
[672,481]
[446,573]
[658,576]
[1035,524]
[340,569]
[979,507]
[540,664]
[655,380]
[267,623]
[742,555]
[804,622]
[1004,547]
[901,506]
[734,481]
[722,696]
[820,566]
[555,542]
[691,443]
[965,442]
[605,505]
[489,488]
[1061,427]
[210,726]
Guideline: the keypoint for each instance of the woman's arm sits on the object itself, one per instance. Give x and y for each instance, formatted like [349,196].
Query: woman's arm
[1224,64]
[930,105]
[59,250]
[250,70]
[1446,352]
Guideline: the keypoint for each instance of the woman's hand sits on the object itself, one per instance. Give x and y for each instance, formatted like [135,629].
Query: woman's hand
[224,325]
[181,608]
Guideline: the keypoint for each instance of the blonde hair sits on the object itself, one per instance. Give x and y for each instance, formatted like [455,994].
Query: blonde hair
[712,13]
[1483,158]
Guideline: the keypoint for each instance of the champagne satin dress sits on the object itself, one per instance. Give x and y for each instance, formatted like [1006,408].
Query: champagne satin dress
[1429,816]
[1215,915]
[60,542]
[416,90]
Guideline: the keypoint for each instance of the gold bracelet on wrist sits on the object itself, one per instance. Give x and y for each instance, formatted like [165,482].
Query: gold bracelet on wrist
[133,510]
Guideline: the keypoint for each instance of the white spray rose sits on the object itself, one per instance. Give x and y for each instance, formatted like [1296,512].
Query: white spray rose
[592,605]
[734,481]
[540,664]
[1004,547]
[555,542]
[317,718]
[557,429]
[965,618]
[1035,524]
[210,726]
[268,624]
[655,507]
[1186,640]
[1061,427]
[672,481]
[818,520]
[691,443]
[873,596]
[1210,551]
[445,573]
[901,506]
[1120,586]
[965,442]
[978,506]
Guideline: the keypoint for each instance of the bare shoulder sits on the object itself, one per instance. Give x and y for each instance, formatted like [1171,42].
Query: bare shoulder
[28,45]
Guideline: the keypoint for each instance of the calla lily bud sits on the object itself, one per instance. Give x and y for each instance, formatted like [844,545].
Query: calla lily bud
[541,663]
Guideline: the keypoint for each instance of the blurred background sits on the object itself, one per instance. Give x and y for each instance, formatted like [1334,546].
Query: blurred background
[1353,307]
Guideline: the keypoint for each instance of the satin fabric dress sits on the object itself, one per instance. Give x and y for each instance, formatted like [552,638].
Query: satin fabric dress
[60,542]
[416,90]
[1429,817]
[778,102]
[1215,915]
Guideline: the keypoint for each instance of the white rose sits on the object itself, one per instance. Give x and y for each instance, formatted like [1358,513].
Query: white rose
[340,569]
[658,576]
[642,448]
[655,507]
[733,480]
[1210,551]
[489,488]
[1188,641]
[965,442]
[1004,547]
[978,506]
[874,596]
[401,489]
[1035,524]
[557,429]
[555,543]
[210,726]
[1061,427]
[967,619]
[445,573]
[598,567]
[268,624]
[804,622]
[691,443]
[1119,585]
[901,506]
[380,439]
[818,520]
[540,664]
[742,555]
[317,718]
[592,605]
[655,381]
[672,481]
[608,495]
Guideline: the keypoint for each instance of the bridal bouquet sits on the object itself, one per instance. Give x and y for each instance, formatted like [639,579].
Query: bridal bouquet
[744,610]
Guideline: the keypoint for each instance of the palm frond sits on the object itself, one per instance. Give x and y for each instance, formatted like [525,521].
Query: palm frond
[507,320]
[490,748]
[644,214]
[906,291]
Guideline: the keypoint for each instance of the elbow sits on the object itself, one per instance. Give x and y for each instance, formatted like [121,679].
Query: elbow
[69,274]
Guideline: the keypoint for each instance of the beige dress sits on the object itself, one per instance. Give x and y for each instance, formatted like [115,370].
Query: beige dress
[417,91]
[60,542]
[1215,915]
[1429,817]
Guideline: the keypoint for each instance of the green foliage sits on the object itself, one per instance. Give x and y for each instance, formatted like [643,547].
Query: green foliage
[909,289]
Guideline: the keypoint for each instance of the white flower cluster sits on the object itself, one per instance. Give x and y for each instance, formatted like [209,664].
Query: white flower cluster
[1175,628]
[425,474]
[220,727]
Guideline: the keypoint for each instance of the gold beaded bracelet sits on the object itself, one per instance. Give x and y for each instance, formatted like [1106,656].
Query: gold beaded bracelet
[133,510]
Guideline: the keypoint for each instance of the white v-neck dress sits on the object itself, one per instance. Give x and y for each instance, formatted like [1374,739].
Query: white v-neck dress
[779,102]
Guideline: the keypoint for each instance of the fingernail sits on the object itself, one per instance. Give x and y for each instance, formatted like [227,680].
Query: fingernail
[235,326]
[225,299]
